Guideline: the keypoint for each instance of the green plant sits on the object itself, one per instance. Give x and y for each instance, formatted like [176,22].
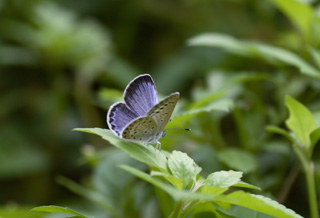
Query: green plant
[177,175]
[304,134]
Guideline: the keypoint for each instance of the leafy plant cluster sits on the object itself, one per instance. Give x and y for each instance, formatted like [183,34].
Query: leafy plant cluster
[237,108]
[194,195]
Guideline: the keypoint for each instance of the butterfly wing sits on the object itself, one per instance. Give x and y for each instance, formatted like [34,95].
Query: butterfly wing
[119,116]
[142,117]
[142,129]
[141,95]
[162,112]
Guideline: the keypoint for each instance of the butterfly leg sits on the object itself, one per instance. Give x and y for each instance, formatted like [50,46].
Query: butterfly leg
[158,146]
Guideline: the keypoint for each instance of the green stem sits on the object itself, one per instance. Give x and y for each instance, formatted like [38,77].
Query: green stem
[312,191]
[177,211]
[309,172]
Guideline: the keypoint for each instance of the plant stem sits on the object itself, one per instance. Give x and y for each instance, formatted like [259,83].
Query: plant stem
[312,190]
[309,172]
[288,182]
[177,211]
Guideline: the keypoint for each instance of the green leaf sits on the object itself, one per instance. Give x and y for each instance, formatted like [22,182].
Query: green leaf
[7,211]
[223,179]
[203,208]
[242,212]
[269,53]
[156,182]
[178,195]
[207,100]
[315,55]
[182,167]
[261,204]
[176,182]
[145,154]
[299,13]
[212,190]
[300,121]
[112,182]
[57,209]
[238,159]
[246,185]
[14,55]
[221,105]
[110,94]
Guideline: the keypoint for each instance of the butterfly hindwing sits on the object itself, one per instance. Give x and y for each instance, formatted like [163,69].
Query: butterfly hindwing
[162,112]
[140,94]
[141,129]
[119,115]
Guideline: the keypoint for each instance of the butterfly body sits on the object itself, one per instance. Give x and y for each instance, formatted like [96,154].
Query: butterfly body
[141,117]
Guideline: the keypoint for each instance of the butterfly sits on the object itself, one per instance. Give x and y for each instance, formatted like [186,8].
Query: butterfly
[141,117]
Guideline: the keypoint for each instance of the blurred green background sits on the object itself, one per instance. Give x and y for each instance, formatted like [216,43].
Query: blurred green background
[63,63]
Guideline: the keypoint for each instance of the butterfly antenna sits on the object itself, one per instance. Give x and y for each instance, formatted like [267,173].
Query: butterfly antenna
[179,129]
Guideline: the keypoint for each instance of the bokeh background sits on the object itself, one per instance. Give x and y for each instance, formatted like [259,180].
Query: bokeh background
[63,63]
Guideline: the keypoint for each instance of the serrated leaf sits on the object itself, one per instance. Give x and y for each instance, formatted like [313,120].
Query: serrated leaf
[145,154]
[238,159]
[223,179]
[300,121]
[242,212]
[220,190]
[213,190]
[156,182]
[182,167]
[57,209]
[269,53]
[176,182]
[261,204]
[178,195]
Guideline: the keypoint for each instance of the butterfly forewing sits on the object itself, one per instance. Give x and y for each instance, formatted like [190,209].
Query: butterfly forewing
[141,129]
[140,95]
[162,112]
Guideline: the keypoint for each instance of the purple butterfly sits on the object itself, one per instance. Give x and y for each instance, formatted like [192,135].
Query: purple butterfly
[141,117]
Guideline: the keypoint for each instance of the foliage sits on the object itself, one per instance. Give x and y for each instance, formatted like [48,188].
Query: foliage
[181,171]
[304,137]
[248,77]
[56,209]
